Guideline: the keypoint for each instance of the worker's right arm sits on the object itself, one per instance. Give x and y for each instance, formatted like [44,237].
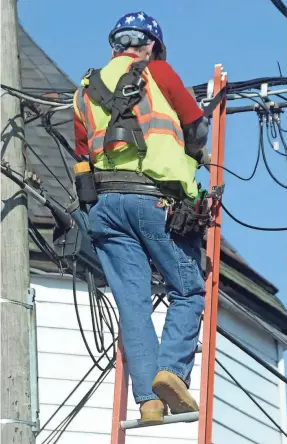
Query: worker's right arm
[193,123]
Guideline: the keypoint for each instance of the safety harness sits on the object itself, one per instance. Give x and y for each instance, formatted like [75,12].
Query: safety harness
[123,125]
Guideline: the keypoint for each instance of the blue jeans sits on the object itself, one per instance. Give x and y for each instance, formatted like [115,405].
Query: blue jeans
[128,231]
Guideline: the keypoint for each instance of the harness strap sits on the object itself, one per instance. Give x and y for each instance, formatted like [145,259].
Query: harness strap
[98,91]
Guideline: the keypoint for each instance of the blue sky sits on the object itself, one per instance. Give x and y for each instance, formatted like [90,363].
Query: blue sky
[198,34]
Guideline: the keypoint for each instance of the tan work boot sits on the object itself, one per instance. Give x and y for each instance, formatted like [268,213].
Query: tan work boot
[172,390]
[152,412]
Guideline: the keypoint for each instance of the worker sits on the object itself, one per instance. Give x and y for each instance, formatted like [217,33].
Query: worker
[138,185]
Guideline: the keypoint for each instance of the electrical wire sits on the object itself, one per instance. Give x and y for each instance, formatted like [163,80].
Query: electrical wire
[268,167]
[42,244]
[101,308]
[270,141]
[50,128]
[282,138]
[235,87]
[33,98]
[260,104]
[46,166]
[251,397]
[253,227]
[281,97]
[255,166]
[98,335]
[60,429]
[47,125]
[280,6]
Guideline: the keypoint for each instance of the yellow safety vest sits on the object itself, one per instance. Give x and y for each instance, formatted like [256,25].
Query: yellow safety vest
[165,159]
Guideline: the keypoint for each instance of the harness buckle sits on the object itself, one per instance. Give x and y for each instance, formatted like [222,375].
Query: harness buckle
[135,90]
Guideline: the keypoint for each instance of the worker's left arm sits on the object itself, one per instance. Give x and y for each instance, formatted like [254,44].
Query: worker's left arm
[81,137]
[193,123]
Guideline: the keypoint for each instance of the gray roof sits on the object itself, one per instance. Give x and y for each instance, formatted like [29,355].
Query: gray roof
[40,75]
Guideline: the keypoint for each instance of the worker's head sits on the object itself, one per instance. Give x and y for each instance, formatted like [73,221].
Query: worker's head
[140,34]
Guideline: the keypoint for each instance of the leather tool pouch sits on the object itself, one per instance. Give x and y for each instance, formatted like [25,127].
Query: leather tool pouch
[190,217]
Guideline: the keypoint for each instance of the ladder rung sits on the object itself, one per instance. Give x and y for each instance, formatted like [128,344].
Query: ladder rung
[170,419]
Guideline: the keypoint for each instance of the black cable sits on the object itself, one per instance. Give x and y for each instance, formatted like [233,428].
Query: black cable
[63,122]
[47,125]
[281,97]
[34,96]
[67,398]
[282,138]
[101,309]
[235,174]
[270,142]
[251,354]
[42,244]
[235,87]
[96,297]
[260,104]
[268,168]
[253,227]
[46,166]
[74,269]
[69,418]
[62,141]
[273,131]
[60,429]
[251,397]
[280,6]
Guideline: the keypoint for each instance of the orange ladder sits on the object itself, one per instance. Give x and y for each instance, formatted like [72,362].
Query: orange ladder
[119,423]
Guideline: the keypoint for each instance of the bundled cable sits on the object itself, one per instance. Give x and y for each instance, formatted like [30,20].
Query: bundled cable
[101,311]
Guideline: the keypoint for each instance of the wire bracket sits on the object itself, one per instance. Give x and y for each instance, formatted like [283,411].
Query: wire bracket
[13,301]
[19,421]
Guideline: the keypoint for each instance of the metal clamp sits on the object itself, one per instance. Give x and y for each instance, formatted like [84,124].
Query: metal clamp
[131,93]
[217,192]
[13,301]
[264,90]
[33,352]
[19,421]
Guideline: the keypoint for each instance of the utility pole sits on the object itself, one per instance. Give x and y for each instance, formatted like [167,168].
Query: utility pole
[15,368]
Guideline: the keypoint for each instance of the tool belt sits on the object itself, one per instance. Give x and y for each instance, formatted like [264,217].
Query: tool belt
[129,182]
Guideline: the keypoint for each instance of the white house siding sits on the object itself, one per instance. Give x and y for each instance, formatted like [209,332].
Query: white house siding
[63,361]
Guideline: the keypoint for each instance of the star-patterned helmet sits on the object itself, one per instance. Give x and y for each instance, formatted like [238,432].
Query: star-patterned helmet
[141,22]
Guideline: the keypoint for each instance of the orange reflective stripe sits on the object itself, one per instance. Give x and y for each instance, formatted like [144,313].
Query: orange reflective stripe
[164,132]
[150,125]
[89,112]
[81,106]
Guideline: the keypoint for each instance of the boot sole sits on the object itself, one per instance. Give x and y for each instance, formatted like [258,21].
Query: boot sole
[171,392]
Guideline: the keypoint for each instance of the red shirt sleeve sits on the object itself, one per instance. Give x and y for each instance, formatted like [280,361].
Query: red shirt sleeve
[81,137]
[175,92]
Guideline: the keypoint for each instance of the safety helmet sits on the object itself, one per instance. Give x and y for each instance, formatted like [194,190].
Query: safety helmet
[146,25]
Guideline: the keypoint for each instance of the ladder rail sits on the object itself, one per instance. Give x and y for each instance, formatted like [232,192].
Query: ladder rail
[213,263]
[120,404]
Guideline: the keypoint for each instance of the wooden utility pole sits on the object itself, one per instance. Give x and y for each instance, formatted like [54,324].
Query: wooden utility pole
[15,373]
